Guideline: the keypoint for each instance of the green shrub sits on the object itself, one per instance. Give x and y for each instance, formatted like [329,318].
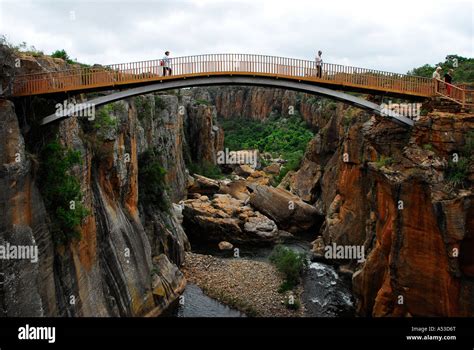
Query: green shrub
[60,54]
[293,163]
[152,180]
[63,55]
[332,105]
[144,107]
[104,119]
[159,102]
[286,137]
[206,169]
[59,188]
[384,161]
[428,147]
[458,172]
[290,263]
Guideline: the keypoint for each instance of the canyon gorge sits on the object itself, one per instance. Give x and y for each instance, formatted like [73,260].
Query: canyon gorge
[363,181]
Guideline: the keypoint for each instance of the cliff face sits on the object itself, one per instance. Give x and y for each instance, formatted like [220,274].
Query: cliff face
[261,103]
[377,184]
[126,261]
[414,224]
[28,289]
[205,137]
[110,270]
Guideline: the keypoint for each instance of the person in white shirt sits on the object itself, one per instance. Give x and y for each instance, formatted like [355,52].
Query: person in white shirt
[319,64]
[437,77]
[436,73]
[165,62]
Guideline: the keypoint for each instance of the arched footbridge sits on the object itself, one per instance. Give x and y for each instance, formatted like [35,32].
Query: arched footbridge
[331,80]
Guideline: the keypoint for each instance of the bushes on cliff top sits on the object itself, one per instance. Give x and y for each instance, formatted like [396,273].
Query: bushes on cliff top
[62,191]
[152,180]
[464,72]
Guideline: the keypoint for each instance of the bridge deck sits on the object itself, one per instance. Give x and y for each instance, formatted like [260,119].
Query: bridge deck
[147,72]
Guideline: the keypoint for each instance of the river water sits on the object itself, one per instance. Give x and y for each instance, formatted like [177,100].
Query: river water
[326,293]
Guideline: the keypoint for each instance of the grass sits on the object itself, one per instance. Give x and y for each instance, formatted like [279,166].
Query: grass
[291,264]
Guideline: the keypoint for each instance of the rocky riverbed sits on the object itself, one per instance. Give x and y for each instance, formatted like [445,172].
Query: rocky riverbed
[247,285]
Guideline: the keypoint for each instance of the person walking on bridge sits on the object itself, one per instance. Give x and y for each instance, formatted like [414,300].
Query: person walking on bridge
[437,77]
[448,79]
[319,64]
[165,62]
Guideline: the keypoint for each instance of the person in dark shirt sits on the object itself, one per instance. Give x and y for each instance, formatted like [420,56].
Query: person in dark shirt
[448,79]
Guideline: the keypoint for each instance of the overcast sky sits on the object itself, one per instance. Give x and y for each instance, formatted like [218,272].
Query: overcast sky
[386,35]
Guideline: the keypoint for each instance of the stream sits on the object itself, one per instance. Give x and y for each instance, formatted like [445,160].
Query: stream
[326,293]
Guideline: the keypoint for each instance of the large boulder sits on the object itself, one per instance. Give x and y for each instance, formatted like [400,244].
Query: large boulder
[203,185]
[273,169]
[237,189]
[287,210]
[224,245]
[305,182]
[259,177]
[243,170]
[227,219]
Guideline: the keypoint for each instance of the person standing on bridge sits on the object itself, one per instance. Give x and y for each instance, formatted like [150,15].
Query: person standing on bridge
[437,77]
[165,62]
[319,64]
[448,79]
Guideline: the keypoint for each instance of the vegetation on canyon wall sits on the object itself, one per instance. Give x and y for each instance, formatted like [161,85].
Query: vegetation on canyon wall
[152,180]
[62,191]
[285,137]
[458,170]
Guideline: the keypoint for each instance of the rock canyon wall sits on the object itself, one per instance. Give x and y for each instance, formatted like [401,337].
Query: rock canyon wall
[376,184]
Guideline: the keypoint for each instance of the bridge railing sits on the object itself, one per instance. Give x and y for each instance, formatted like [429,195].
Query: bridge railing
[457,93]
[213,64]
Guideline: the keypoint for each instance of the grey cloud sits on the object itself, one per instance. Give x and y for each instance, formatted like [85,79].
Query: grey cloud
[358,33]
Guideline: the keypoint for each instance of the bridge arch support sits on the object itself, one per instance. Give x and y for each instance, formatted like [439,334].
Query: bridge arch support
[229,80]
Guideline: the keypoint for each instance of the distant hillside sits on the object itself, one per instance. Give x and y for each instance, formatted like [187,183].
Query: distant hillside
[464,73]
